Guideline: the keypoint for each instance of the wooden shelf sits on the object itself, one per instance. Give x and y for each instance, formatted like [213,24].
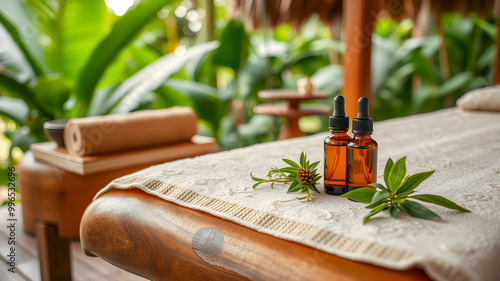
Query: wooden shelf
[50,153]
[282,110]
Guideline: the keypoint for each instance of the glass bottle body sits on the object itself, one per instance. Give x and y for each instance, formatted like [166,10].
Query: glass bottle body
[362,154]
[335,177]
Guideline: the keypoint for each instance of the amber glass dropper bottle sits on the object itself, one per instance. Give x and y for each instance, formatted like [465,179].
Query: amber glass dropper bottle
[361,150]
[336,150]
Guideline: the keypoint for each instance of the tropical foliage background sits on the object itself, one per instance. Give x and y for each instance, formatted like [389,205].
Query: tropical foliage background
[61,59]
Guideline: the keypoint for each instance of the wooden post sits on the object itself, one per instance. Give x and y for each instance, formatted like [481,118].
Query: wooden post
[210,35]
[53,253]
[496,72]
[359,20]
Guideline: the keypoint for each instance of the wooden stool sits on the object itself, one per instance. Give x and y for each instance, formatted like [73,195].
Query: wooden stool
[54,199]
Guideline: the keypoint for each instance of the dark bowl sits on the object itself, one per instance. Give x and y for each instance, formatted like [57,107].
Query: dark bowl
[54,130]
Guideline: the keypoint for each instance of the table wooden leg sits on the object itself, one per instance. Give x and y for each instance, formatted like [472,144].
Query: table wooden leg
[291,129]
[53,253]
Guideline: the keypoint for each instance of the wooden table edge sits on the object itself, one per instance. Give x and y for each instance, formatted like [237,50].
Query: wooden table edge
[127,227]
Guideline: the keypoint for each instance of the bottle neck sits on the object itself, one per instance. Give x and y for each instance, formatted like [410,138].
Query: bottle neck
[363,136]
[339,133]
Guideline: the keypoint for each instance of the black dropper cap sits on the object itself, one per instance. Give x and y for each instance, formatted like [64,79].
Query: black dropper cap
[339,121]
[362,124]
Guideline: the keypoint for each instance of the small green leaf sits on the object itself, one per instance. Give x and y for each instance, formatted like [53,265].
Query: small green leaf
[372,213]
[379,186]
[302,159]
[255,178]
[380,195]
[291,163]
[394,211]
[387,170]
[417,210]
[439,200]
[288,170]
[412,182]
[314,165]
[399,200]
[302,198]
[293,185]
[375,205]
[378,199]
[397,174]
[363,195]
[255,185]
[313,187]
[405,194]
[295,188]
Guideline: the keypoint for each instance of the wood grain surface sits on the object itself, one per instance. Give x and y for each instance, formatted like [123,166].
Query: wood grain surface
[160,240]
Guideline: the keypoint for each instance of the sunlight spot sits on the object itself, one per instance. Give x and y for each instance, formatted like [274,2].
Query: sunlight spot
[195,26]
[180,50]
[181,11]
[192,15]
[119,7]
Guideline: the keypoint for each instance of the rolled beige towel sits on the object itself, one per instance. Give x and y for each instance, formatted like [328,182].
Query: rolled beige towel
[119,132]
[487,99]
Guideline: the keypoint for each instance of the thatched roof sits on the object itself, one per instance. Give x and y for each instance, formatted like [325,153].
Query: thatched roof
[297,12]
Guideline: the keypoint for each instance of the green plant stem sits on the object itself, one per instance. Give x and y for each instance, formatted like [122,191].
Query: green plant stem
[278,180]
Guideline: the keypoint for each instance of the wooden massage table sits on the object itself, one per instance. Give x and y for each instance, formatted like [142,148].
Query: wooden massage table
[160,240]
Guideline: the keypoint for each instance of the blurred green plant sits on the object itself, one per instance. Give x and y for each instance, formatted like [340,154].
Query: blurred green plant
[52,68]
[408,75]
[59,78]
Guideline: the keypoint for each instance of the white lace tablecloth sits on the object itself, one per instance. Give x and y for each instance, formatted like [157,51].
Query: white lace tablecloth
[463,148]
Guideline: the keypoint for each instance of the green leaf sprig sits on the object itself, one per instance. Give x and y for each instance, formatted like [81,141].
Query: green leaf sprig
[302,177]
[395,197]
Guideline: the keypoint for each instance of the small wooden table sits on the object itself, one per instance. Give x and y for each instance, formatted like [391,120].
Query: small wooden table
[291,110]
